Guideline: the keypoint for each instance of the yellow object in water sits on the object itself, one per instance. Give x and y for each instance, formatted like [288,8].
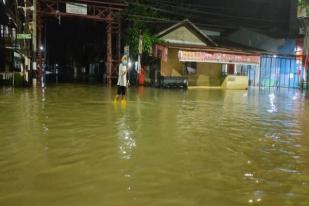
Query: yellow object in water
[123,103]
[115,101]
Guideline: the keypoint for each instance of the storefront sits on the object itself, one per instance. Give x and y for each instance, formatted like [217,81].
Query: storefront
[7,38]
[186,53]
[280,71]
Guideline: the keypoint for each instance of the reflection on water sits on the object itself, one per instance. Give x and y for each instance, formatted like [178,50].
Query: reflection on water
[126,138]
[69,145]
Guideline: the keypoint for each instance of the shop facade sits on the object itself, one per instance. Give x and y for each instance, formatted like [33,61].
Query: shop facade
[189,55]
[280,72]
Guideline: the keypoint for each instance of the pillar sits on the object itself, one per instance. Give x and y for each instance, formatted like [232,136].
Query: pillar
[119,41]
[39,50]
[109,64]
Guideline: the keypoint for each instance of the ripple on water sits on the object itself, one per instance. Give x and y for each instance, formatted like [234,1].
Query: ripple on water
[168,147]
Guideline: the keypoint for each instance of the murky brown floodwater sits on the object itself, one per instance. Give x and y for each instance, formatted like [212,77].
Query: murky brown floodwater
[69,146]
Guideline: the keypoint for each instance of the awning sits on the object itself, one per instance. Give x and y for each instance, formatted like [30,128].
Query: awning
[216,57]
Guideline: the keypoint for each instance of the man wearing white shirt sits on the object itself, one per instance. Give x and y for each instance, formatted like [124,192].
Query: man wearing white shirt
[122,79]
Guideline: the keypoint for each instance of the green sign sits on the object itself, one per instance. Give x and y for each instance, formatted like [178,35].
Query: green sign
[23,36]
[126,50]
[140,44]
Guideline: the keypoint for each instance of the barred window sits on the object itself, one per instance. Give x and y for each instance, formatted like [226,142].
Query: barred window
[1,31]
[6,31]
[13,34]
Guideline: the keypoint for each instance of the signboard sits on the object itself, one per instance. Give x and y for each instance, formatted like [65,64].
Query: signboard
[76,8]
[17,55]
[190,56]
[126,50]
[140,44]
[302,8]
[231,79]
[161,52]
[23,36]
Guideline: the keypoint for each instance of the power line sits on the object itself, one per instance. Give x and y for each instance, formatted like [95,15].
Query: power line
[200,6]
[210,13]
[175,21]
[197,17]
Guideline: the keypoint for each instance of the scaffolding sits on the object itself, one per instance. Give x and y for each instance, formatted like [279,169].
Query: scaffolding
[303,10]
[106,11]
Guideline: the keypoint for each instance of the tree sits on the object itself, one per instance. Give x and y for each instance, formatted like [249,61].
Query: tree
[137,28]
[304,4]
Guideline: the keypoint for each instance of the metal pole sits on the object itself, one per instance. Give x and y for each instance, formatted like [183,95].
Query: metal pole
[260,72]
[34,43]
[45,56]
[295,74]
[109,53]
[34,37]
[140,50]
[276,72]
[39,57]
[270,67]
[254,74]
[34,27]
[290,73]
[280,65]
[14,46]
[13,82]
[284,77]
[119,40]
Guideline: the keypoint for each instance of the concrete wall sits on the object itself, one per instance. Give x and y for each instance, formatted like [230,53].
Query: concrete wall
[235,82]
[173,67]
[260,41]
[182,35]
[208,74]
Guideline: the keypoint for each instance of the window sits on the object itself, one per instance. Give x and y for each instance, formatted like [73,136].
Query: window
[6,31]
[1,31]
[13,34]
[231,69]
[190,67]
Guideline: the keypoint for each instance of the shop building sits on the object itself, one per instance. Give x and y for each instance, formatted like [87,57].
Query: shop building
[187,54]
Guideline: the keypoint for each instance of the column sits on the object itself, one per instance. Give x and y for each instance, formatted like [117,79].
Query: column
[109,53]
[40,47]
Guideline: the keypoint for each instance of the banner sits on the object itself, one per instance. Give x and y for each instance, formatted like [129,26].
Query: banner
[302,8]
[23,36]
[76,8]
[161,52]
[190,56]
[126,50]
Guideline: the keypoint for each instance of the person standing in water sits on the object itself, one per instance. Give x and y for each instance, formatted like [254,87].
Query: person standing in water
[122,80]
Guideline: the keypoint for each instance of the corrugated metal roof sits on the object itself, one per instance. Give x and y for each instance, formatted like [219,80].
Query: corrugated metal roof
[188,24]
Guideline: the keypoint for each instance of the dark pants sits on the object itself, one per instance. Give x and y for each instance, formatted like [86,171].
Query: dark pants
[121,90]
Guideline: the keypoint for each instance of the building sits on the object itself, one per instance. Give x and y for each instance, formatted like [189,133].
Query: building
[281,62]
[7,42]
[187,54]
[303,40]
[14,51]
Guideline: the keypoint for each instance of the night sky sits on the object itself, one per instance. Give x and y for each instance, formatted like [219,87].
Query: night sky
[75,39]
[85,41]
[267,16]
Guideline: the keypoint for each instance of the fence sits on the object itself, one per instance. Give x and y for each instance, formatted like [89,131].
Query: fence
[281,72]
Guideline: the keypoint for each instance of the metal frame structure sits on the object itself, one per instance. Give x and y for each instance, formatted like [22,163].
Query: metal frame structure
[103,11]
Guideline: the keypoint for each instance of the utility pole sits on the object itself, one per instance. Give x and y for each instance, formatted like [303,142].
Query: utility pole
[140,51]
[34,38]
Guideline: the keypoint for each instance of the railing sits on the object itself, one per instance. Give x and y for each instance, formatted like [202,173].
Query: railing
[7,78]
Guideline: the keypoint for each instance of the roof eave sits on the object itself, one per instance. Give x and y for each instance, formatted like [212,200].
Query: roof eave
[184,23]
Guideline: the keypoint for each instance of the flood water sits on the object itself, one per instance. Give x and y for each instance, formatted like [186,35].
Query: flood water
[68,145]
